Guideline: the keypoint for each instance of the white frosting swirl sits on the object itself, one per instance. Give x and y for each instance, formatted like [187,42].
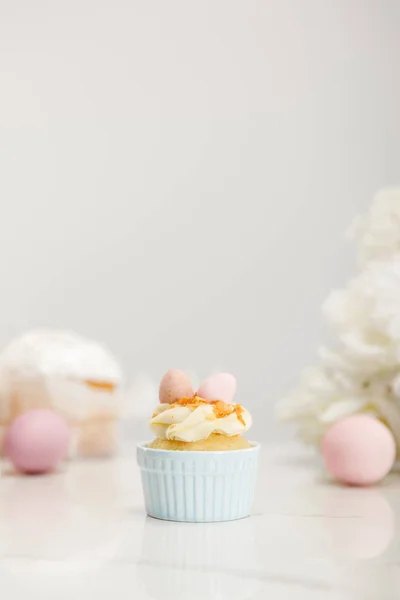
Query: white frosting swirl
[45,352]
[192,423]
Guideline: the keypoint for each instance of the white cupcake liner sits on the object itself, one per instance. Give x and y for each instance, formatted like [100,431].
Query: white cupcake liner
[197,486]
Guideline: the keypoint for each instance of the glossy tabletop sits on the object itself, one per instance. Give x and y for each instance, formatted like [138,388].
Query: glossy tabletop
[82,533]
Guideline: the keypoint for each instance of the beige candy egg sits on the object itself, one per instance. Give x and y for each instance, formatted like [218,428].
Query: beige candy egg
[175,385]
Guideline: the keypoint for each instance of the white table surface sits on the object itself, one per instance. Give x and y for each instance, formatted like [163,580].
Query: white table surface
[83,534]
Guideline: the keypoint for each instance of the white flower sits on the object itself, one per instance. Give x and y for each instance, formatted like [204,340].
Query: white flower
[324,396]
[363,373]
[367,314]
[378,233]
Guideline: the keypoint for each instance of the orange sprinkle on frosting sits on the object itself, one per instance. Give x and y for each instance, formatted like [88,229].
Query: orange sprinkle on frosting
[220,408]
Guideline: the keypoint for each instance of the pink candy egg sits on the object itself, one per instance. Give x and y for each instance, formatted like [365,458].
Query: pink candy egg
[221,386]
[359,450]
[175,385]
[37,441]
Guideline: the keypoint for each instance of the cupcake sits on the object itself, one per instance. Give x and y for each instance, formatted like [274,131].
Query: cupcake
[77,378]
[200,467]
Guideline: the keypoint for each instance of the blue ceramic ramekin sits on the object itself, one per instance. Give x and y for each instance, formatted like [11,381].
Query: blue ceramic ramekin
[198,487]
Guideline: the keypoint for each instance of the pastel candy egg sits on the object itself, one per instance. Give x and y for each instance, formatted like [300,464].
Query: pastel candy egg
[37,441]
[221,386]
[175,385]
[359,450]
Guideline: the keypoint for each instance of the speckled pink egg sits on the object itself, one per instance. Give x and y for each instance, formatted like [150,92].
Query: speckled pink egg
[37,441]
[175,385]
[221,386]
[359,450]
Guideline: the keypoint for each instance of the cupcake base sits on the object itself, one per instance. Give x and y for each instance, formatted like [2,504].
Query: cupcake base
[97,438]
[215,442]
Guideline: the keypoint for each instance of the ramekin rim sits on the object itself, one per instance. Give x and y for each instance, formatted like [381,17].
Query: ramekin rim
[144,446]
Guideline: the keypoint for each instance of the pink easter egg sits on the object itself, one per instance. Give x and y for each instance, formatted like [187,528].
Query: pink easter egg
[221,386]
[37,441]
[175,385]
[358,450]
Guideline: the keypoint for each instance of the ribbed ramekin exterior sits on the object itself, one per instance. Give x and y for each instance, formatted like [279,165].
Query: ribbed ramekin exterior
[198,487]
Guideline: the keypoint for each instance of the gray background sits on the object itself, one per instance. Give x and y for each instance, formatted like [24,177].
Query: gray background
[176,176]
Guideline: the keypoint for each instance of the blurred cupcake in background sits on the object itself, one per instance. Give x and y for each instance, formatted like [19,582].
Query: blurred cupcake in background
[76,377]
